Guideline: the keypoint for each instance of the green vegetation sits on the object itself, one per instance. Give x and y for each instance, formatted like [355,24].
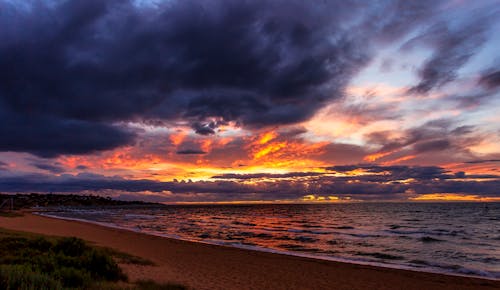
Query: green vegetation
[34,262]
[23,277]
[65,262]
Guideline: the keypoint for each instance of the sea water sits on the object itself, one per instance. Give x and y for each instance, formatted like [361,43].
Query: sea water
[455,238]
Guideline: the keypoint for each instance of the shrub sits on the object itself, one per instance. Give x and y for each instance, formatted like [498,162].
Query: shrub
[102,266]
[72,247]
[21,277]
[74,278]
[39,244]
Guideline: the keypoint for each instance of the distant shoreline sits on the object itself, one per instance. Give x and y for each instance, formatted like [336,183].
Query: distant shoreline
[27,201]
[207,266]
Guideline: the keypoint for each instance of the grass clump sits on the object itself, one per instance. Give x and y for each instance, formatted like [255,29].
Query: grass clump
[14,277]
[41,263]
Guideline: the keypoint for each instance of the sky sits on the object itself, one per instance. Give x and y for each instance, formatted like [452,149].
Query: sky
[251,101]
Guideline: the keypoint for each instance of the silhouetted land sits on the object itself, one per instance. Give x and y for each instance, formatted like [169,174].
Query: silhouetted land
[24,201]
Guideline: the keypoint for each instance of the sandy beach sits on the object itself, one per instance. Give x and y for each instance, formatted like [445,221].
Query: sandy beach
[203,266]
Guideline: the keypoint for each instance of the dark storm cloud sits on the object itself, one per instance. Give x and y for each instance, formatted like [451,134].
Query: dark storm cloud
[50,167]
[110,59]
[482,161]
[69,67]
[452,49]
[49,136]
[434,145]
[204,129]
[490,80]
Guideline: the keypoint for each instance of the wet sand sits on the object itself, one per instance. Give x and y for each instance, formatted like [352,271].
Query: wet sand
[203,266]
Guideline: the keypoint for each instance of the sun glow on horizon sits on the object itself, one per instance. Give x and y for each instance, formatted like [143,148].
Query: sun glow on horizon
[454,197]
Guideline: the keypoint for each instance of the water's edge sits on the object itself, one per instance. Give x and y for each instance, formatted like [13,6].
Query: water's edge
[431,270]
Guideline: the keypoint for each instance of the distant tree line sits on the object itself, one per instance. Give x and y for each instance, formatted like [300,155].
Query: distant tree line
[50,200]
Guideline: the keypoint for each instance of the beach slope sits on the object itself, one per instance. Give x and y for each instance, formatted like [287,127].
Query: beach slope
[203,266]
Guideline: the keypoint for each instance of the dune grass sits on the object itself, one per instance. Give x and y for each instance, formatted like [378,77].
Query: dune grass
[35,262]
[65,262]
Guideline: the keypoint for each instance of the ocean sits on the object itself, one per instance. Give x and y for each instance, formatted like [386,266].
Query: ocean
[453,238]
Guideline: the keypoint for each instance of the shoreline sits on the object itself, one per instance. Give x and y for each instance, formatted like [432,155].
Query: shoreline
[207,266]
[278,252]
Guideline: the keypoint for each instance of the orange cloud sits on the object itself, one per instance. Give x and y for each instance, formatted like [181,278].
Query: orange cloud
[177,139]
[479,168]
[289,155]
[453,197]
[396,161]
[206,145]
[266,137]
[376,156]
[273,147]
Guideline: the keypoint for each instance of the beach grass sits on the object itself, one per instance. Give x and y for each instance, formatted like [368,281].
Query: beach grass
[54,263]
[31,261]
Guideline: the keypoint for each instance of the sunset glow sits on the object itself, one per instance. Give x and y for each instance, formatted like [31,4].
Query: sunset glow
[318,102]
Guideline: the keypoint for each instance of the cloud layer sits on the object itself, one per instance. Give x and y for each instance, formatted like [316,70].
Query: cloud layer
[250,99]
[376,183]
[79,68]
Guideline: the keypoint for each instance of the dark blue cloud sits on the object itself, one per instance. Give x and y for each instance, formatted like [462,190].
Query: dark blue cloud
[453,47]
[49,136]
[491,80]
[69,69]
[440,135]
[482,161]
[53,167]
